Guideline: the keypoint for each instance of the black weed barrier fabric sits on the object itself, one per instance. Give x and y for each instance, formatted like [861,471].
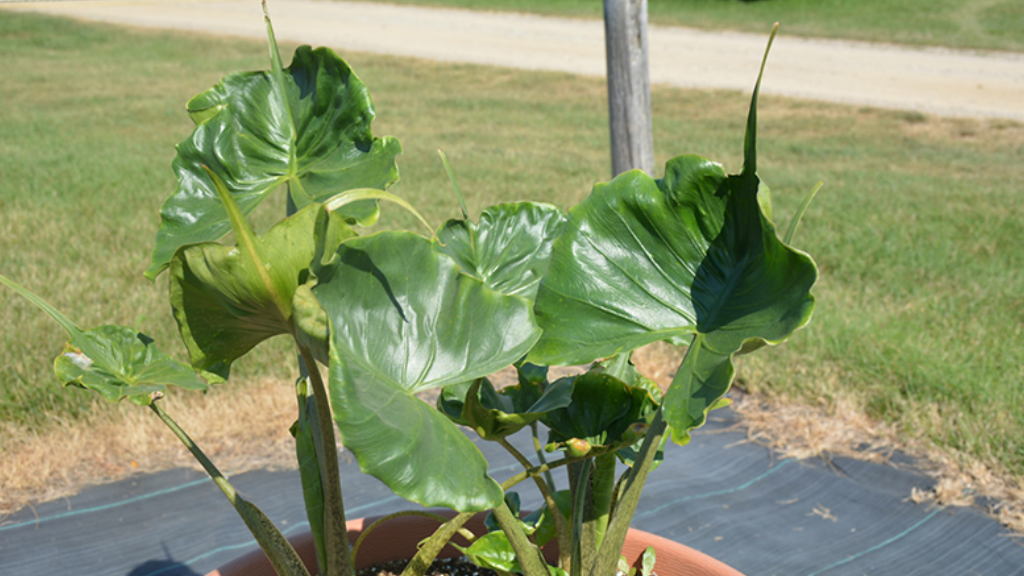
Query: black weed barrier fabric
[729,498]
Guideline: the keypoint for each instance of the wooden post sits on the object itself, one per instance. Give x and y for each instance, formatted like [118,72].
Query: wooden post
[629,85]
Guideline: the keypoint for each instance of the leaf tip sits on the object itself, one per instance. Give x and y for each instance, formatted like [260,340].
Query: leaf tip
[153,271]
[750,141]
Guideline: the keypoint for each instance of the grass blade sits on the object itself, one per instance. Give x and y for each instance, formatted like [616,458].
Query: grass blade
[451,176]
[43,305]
[800,212]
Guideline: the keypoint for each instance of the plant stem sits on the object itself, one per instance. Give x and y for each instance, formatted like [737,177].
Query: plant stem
[197,453]
[306,426]
[540,453]
[608,555]
[339,559]
[583,540]
[530,558]
[432,546]
[562,531]
[604,493]
[277,548]
[536,471]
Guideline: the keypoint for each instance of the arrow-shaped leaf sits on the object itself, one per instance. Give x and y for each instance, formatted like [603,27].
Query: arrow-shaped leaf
[689,256]
[306,127]
[115,361]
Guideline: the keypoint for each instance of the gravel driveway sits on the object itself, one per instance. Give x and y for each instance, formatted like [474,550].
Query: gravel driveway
[938,81]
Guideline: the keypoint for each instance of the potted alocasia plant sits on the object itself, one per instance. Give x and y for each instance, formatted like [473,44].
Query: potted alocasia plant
[692,258]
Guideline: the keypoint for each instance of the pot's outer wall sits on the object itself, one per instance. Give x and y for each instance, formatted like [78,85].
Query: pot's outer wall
[397,540]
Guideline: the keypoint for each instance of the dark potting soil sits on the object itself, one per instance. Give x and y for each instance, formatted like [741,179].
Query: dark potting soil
[441,567]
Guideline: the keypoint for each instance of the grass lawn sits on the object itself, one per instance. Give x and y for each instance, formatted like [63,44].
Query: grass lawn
[917,231]
[981,24]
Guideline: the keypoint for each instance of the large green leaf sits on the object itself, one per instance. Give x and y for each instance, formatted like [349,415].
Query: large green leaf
[403,319]
[621,275]
[691,254]
[115,361]
[689,257]
[510,248]
[306,126]
[228,299]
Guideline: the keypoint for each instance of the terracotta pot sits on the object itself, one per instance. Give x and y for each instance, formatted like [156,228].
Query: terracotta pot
[397,540]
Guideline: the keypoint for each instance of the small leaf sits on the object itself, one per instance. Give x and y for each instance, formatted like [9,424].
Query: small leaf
[622,367]
[649,558]
[544,525]
[510,249]
[495,415]
[701,381]
[116,361]
[492,551]
[452,401]
[601,412]
[119,362]
[532,376]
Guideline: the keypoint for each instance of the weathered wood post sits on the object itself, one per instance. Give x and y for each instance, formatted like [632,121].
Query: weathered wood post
[629,85]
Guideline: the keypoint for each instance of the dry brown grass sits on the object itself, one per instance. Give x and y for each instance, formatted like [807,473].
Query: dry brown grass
[253,433]
[72,455]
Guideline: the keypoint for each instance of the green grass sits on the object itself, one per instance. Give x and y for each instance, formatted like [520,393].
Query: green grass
[917,231]
[979,24]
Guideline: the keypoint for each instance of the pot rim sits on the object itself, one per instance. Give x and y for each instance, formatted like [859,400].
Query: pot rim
[673,558]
